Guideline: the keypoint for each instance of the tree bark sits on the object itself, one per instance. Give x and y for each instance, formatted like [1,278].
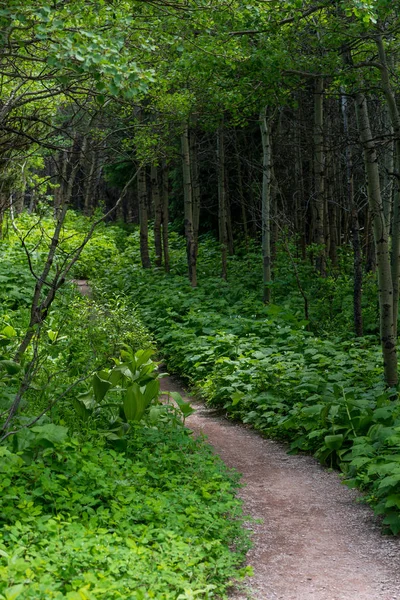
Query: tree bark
[222,214]
[240,192]
[194,168]
[90,182]
[188,207]
[381,237]
[143,219]
[165,216]
[319,215]
[266,205]
[395,120]
[355,226]
[155,193]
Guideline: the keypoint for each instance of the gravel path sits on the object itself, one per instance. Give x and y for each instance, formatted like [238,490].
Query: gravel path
[315,542]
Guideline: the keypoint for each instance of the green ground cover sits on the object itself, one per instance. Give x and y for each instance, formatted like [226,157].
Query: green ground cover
[95,504]
[310,383]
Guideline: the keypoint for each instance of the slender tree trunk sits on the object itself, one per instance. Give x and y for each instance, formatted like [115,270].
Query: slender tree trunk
[266,205]
[222,214]
[355,226]
[68,170]
[395,120]
[229,228]
[240,192]
[274,217]
[370,250]
[194,166]
[300,205]
[188,208]
[388,170]
[90,183]
[143,219]
[18,199]
[319,215]
[165,216]
[381,236]
[155,193]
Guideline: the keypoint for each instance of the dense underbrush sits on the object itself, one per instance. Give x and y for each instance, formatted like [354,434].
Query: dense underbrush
[99,499]
[82,521]
[266,366]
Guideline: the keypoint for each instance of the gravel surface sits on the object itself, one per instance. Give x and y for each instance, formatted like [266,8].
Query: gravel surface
[314,541]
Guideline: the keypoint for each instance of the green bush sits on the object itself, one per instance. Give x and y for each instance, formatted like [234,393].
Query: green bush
[79,520]
[83,521]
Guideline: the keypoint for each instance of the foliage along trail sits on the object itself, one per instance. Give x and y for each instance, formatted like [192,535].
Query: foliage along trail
[314,541]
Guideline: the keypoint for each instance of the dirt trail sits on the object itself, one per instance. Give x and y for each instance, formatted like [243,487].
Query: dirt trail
[315,541]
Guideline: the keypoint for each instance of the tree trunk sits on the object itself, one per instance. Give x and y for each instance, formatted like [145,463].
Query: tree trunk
[91,183]
[155,193]
[3,207]
[266,205]
[300,204]
[188,207]
[240,192]
[229,229]
[381,237]
[395,120]
[194,167]
[143,219]
[355,226]
[319,215]
[222,215]
[165,216]
[388,170]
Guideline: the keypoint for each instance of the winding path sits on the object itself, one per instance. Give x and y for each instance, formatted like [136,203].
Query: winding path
[314,542]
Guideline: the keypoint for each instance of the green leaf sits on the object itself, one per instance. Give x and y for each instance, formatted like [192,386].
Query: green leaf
[81,409]
[393,500]
[236,398]
[184,407]
[155,413]
[52,335]
[334,442]
[390,481]
[311,411]
[393,520]
[142,356]
[133,403]
[152,391]
[8,332]
[14,591]
[87,399]
[50,432]
[10,366]
[100,387]
[115,376]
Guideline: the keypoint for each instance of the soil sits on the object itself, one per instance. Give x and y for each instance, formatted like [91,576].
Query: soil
[314,541]
[83,286]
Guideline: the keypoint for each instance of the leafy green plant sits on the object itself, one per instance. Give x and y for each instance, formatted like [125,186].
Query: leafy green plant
[122,394]
[91,522]
[77,518]
[260,364]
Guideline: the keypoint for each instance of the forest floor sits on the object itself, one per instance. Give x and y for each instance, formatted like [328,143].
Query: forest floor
[312,540]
